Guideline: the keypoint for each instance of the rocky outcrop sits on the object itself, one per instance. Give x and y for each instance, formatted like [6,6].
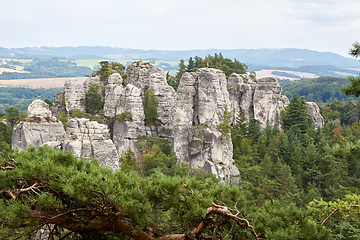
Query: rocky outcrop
[124,133]
[315,115]
[259,98]
[74,96]
[59,104]
[189,119]
[38,129]
[138,74]
[88,139]
[201,101]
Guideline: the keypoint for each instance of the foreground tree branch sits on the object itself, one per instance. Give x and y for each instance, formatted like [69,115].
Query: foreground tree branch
[106,222]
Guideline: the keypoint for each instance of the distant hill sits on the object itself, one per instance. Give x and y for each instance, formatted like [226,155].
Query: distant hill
[284,57]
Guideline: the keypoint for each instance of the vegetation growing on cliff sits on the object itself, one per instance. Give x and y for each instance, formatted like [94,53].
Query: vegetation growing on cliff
[150,104]
[125,116]
[107,68]
[93,99]
[225,127]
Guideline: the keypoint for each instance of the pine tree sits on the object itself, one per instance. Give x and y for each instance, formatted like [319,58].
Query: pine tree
[296,114]
[181,71]
[191,65]
[150,104]
[199,63]
[239,131]
[93,99]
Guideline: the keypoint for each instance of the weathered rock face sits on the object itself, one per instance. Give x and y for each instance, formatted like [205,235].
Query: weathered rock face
[88,139]
[201,101]
[315,115]
[124,133]
[74,96]
[59,104]
[189,118]
[139,74]
[259,98]
[39,128]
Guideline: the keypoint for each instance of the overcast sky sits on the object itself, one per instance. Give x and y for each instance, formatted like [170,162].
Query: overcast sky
[321,25]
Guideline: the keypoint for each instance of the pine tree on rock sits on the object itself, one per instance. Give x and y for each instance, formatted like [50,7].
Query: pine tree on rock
[191,65]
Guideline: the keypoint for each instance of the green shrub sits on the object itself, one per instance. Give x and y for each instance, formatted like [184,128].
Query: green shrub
[125,116]
[147,142]
[77,114]
[63,118]
[105,70]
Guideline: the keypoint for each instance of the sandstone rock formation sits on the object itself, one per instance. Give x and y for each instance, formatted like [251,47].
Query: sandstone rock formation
[88,139]
[259,98]
[74,96]
[201,101]
[189,118]
[59,104]
[315,115]
[39,128]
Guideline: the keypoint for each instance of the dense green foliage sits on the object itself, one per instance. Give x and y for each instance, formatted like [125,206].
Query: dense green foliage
[95,196]
[290,183]
[174,81]
[348,113]
[105,70]
[47,68]
[93,99]
[21,97]
[319,90]
[150,104]
[227,65]
[5,133]
[355,50]
[108,68]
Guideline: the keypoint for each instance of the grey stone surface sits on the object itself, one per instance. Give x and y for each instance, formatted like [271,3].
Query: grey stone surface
[59,104]
[200,104]
[315,115]
[124,133]
[38,129]
[74,96]
[88,139]
[259,98]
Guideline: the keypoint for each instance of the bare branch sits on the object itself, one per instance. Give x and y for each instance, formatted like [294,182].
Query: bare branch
[327,218]
[27,189]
